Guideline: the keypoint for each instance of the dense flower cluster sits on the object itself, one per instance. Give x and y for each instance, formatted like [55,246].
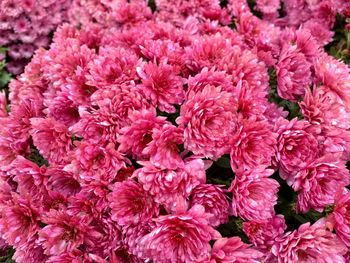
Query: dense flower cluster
[109,137]
[25,25]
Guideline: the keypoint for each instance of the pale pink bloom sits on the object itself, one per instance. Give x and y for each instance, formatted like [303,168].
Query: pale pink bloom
[254,195]
[321,33]
[323,106]
[268,7]
[113,65]
[30,252]
[297,145]
[273,112]
[171,187]
[131,204]
[130,13]
[19,220]
[51,138]
[318,183]
[293,73]
[136,137]
[335,75]
[182,237]
[163,149]
[335,141]
[339,219]
[234,250]
[209,120]
[162,85]
[65,233]
[252,144]
[263,233]
[214,200]
[309,244]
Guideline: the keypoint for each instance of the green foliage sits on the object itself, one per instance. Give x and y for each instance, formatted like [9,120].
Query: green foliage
[6,256]
[36,157]
[5,77]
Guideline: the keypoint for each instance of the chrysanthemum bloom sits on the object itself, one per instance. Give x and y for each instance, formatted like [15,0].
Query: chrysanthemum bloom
[75,256]
[113,65]
[162,85]
[339,219]
[234,250]
[214,200]
[209,120]
[183,237]
[293,73]
[65,233]
[131,204]
[263,233]
[318,183]
[296,146]
[252,144]
[254,195]
[90,162]
[136,137]
[323,106]
[51,139]
[19,220]
[163,149]
[335,75]
[309,244]
[30,252]
[171,187]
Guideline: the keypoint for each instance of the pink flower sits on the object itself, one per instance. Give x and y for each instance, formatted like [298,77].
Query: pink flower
[263,233]
[335,75]
[318,183]
[309,244]
[136,137]
[233,250]
[183,237]
[252,144]
[51,139]
[162,85]
[254,195]
[163,149]
[64,233]
[297,145]
[171,187]
[209,120]
[19,220]
[214,200]
[293,73]
[113,65]
[131,204]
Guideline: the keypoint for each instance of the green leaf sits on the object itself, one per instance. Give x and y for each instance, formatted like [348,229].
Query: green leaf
[224,162]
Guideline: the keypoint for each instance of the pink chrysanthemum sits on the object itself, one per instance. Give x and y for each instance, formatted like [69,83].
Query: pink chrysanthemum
[214,200]
[309,244]
[209,120]
[318,183]
[293,73]
[233,250]
[254,195]
[174,235]
[339,219]
[171,187]
[263,233]
[163,149]
[297,145]
[136,137]
[51,139]
[252,144]
[131,204]
[162,85]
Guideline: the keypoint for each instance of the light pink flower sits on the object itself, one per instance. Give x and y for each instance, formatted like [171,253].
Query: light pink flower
[263,233]
[171,187]
[293,73]
[318,183]
[254,195]
[131,204]
[309,244]
[234,250]
[252,144]
[183,237]
[214,200]
[209,120]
